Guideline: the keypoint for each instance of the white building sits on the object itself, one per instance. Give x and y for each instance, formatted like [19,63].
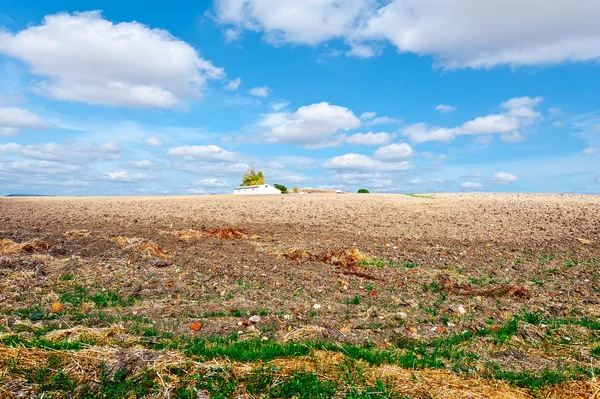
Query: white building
[260,189]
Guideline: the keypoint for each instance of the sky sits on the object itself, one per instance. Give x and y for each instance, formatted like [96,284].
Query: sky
[145,98]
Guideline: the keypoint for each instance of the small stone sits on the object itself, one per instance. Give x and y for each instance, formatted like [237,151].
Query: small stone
[222,293]
[403,315]
[344,330]
[287,316]
[239,323]
[413,330]
[265,338]
[317,306]
[196,326]
[461,309]
[255,319]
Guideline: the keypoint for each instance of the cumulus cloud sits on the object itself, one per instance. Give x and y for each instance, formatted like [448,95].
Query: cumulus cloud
[394,152]
[311,125]
[212,182]
[10,148]
[461,33]
[83,57]
[444,108]
[39,167]
[358,162]
[370,138]
[153,142]
[123,176]
[589,151]
[73,153]
[260,91]
[208,153]
[471,185]
[520,114]
[311,22]
[13,119]
[503,178]
[234,84]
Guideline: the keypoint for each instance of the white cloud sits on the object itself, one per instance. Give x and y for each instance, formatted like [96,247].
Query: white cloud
[429,182]
[358,162]
[38,167]
[589,151]
[474,175]
[444,108]
[10,148]
[371,138]
[260,91]
[394,152]
[233,84]
[144,164]
[153,142]
[122,176]
[558,124]
[212,182]
[368,115]
[520,114]
[514,137]
[307,22]
[461,33]
[279,105]
[209,153]
[429,155]
[73,152]
[83,57]
[362,51]
[471,185]
[503,178]
[385,120]
[421,132]
[13,119]
[489,124]
[311,125]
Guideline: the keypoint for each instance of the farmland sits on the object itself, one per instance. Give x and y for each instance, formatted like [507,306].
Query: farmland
[358,296]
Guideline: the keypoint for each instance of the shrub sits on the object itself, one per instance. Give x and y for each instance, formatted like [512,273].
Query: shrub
[280,187]
[363,191]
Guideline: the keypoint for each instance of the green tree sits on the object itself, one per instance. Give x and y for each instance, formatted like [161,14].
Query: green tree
[363,191]
[280,187]
[251,178]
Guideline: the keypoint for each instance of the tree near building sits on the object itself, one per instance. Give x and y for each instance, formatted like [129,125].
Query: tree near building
[281,188]
[252,178]
[363,191]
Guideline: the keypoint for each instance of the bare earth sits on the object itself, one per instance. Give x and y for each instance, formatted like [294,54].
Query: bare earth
[427,268]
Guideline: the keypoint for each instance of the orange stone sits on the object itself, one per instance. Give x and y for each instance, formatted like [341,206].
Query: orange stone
[196,326]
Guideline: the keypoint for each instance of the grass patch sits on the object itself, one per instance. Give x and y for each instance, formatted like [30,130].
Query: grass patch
[101,299]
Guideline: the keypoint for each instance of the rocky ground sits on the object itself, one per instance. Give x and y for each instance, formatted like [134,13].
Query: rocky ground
[498,293]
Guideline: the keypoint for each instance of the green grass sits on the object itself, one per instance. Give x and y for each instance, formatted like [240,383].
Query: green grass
[447,352]
[420,196]
[102,298]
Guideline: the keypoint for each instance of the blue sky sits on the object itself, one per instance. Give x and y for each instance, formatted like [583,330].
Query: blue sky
[107,98]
